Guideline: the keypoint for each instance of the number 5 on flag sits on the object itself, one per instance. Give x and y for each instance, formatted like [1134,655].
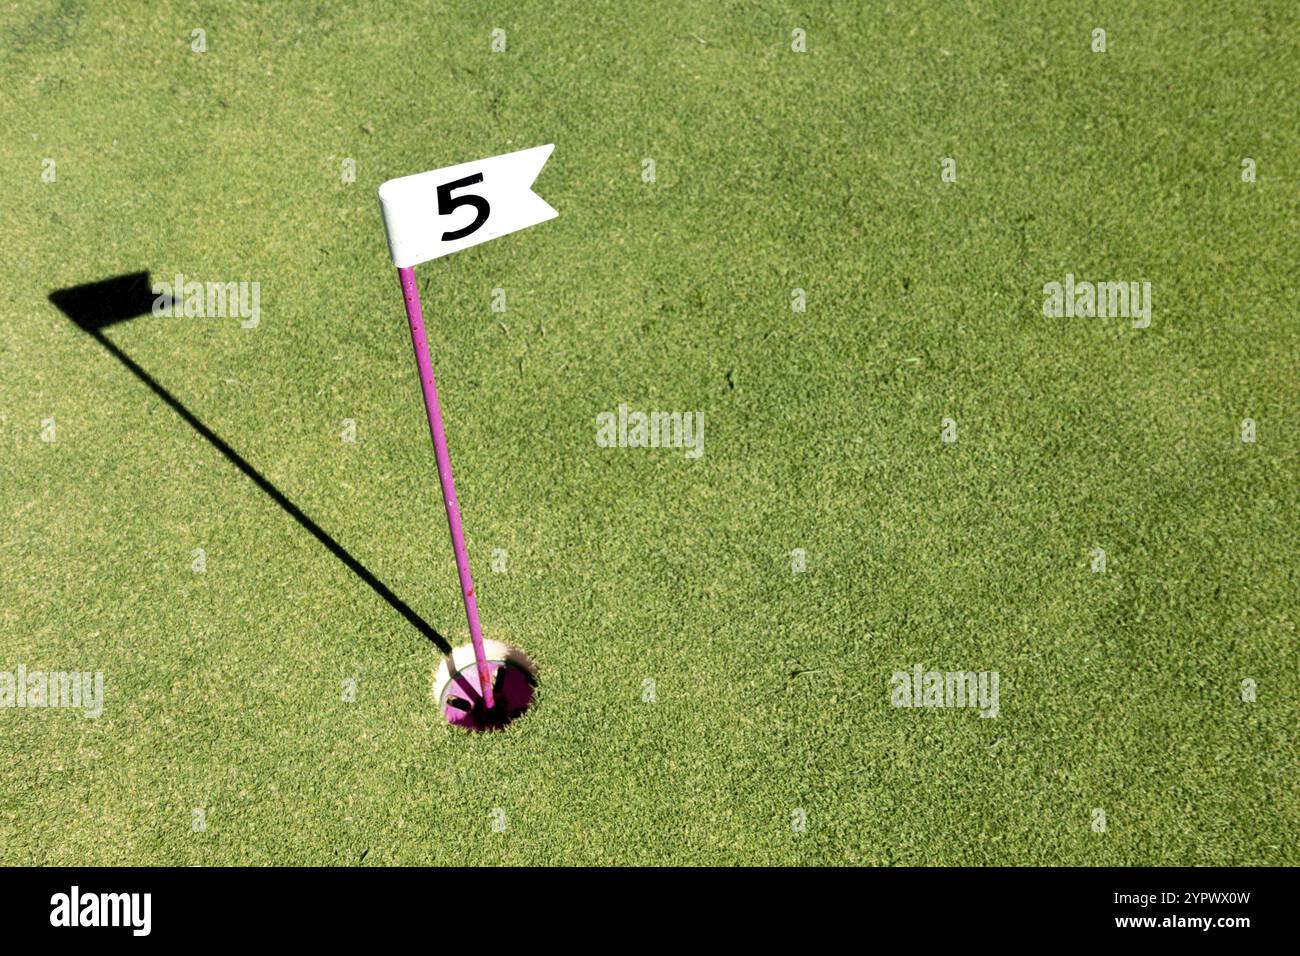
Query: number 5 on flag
[434,214]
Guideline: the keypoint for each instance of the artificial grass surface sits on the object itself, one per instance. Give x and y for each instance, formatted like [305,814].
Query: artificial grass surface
[775,171]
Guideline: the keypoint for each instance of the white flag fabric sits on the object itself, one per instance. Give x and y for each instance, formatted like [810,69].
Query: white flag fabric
[434,214]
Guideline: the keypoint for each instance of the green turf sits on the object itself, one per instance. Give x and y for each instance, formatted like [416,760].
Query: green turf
[775,170]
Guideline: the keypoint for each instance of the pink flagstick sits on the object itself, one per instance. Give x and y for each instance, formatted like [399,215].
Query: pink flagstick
[415,316]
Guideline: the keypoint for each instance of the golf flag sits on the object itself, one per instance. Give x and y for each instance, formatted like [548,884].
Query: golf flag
[434,214]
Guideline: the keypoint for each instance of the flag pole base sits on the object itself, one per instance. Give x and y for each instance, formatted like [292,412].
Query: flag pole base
[459,692]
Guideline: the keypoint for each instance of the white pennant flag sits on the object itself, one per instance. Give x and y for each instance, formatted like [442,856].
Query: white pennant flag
[434,214]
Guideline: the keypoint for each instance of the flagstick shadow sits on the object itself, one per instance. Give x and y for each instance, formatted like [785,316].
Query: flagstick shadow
[97,305]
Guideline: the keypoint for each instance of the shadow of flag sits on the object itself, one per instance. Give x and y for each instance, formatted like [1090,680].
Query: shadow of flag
[96,305]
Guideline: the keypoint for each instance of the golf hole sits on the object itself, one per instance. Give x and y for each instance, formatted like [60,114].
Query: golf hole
[459,694]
